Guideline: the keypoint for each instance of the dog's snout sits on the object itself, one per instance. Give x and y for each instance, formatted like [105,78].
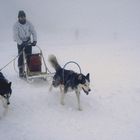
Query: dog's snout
[8,103]
[89,90]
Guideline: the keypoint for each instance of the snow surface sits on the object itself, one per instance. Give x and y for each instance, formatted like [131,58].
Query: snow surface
[110,111]
[103,37]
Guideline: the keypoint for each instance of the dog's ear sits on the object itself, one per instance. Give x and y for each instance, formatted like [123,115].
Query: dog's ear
[9,84]
[87,76]
[80,77]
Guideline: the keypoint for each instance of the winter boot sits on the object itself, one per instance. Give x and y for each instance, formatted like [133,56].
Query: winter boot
[21,74]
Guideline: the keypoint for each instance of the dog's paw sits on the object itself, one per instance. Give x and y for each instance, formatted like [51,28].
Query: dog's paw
[80,109]
[62,103]
[50,88]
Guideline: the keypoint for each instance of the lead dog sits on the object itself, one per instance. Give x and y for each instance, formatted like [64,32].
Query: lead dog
[5,89]
[68,80]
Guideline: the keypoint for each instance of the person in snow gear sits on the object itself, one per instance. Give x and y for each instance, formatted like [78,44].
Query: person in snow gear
[25,35]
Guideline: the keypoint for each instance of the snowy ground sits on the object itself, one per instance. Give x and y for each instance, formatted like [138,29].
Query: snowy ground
[110,112]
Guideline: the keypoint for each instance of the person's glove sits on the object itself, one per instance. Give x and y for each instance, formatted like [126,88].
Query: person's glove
[23,45]
[34,43]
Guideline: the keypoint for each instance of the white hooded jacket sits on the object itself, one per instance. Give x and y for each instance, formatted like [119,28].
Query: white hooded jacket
[22,32]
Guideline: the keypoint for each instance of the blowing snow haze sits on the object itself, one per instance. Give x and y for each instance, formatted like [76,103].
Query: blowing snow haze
[75,19]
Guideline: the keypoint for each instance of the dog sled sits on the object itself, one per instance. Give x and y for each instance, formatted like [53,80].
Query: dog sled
[35,67]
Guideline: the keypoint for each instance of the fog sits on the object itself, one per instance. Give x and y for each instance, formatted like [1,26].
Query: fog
[103,37]
[95,20]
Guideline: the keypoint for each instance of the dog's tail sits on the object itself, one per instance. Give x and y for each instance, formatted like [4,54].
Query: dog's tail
[52,59]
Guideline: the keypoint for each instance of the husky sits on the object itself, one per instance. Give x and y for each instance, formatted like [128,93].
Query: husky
[68,80]
[5,89]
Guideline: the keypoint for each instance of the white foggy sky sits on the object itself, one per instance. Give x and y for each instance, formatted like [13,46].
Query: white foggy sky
[99,18]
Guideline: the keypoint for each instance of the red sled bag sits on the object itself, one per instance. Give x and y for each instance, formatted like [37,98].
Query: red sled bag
[35,63]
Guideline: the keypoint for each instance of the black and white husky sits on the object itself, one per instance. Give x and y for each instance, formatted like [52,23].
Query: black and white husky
[68,80]
[5,89]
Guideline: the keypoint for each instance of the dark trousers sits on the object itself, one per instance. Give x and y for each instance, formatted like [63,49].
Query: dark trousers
[28,52]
